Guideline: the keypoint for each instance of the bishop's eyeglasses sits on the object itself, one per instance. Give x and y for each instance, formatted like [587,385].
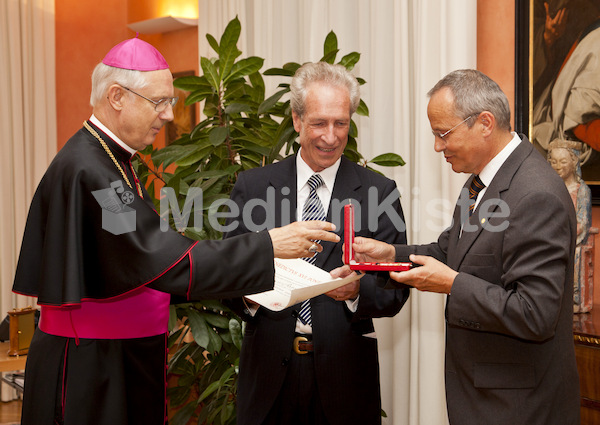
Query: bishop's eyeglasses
[159,105]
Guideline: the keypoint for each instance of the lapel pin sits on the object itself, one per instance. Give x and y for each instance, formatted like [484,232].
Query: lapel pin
[482,220]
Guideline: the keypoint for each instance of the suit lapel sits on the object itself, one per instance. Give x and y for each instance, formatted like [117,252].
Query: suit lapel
[489,202]
[284,180]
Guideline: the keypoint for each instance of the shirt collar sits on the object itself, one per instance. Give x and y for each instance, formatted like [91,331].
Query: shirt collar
[304,172]
[492,167]
[110,134]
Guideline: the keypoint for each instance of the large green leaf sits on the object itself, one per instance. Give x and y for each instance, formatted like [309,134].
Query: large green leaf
[216,320]
[257,80]
[292,66]
[244,67]
[211,74]
[236,108]
[257,95]
[179,363]
[228,50]
[226,376]
[236,333]
[362,109]
[353,132]
[209,390]
[233,92]
[213,43]
[279,71]
[178,395]
[350,60]
[217,173]
[329,57]
[254,147]
[215,344]
[227,411]
[197,236]
[388,160]
[330,44]
[200,330]
[218,135]
[172,317]
[213,304]
[194,157]
[205,184]
[183,415]
[171,154]
[271,101]
[199,95]
[189,83]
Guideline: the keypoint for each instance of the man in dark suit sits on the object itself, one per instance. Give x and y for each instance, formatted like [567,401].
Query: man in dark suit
[507,268]
[325,372]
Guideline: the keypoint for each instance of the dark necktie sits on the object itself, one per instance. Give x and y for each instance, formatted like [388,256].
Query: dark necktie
[313,210]
[474,189]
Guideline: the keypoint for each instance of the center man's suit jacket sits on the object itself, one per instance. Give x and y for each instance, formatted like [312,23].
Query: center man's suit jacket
[345,357]
[510,356]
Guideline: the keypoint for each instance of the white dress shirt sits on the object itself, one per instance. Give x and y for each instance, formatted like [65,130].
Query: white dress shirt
[489,171]
[303,173]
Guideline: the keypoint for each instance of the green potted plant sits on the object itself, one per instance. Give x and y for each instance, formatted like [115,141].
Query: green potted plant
[242,128]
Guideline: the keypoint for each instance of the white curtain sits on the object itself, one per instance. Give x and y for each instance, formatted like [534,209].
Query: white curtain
[406,46]
[27,129]
[27,124]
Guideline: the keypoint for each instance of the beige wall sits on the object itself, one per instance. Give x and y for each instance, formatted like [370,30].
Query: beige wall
[496,44]
[85,33]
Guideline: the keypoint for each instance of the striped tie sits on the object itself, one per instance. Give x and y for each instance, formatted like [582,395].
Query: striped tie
[313,210]
[474,189]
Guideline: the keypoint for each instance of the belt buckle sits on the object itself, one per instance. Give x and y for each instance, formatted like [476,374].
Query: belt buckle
[297,341]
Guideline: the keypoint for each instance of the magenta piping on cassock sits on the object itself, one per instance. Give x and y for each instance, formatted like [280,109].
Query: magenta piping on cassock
[189,291]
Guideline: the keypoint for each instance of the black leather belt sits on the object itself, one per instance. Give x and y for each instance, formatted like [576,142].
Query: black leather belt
[303,344]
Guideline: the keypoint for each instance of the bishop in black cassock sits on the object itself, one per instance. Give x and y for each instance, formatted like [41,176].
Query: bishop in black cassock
[95,256]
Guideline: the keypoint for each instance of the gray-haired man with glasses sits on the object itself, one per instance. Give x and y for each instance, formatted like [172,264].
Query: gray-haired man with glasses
[507,268]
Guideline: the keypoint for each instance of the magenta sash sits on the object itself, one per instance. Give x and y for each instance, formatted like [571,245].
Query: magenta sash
[140,313]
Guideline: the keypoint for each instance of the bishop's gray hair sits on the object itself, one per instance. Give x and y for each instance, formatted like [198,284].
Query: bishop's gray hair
[104,76]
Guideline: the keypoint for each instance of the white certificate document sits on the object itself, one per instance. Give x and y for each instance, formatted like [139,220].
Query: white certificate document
[295,281]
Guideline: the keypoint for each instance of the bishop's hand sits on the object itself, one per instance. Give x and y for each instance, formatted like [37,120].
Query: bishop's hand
[297,240]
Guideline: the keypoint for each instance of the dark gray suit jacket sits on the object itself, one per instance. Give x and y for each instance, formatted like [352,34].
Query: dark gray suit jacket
[346,362]
[509,344]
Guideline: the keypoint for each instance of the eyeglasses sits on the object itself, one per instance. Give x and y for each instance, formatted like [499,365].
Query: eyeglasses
[159,105]
[442,135]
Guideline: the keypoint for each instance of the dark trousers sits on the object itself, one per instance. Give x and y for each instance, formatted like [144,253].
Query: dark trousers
[298,402]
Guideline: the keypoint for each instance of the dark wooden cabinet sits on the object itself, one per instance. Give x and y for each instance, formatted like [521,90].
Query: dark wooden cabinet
[586,329]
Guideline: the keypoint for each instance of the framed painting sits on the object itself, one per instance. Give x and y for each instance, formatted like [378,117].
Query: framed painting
[557,89]
[185,115]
